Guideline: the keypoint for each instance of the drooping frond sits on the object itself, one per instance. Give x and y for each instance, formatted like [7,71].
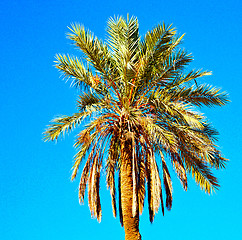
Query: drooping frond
[200,171]
[141,184]
[154,186]
[160,135]
[111,168]
[167,184]
[83,182]
[120,205]
[93,187]
[180,169]
[83,144]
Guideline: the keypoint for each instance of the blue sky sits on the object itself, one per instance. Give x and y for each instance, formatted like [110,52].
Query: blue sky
[37,199]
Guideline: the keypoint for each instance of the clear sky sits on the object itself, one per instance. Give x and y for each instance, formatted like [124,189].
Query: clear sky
[37,199]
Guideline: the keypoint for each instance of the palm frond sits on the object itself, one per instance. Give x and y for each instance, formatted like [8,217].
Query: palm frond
[62,125]
[163,137]
[168,185]
[180,169]
[83,143]
[200,172]
[153,47]
[96,52]
[185,78]
[83,181]
[110,169]
[73,68]
[153,186]
[204,95]
[87,100]
[123,40]
[120,204]
[217,160]
[93,188]
[141,184]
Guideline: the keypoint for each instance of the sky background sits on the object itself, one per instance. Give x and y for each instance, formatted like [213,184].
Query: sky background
[37,199]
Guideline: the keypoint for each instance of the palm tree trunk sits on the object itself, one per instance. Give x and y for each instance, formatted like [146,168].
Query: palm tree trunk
[130,222]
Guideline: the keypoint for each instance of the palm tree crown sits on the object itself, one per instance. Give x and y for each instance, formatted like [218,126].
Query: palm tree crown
[140,105]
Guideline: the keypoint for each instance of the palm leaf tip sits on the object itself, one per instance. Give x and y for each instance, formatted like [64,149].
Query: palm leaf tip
[208,96]
[62,125]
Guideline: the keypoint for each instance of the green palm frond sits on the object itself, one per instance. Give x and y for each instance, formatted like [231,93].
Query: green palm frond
[123,40]
[73,68]
[62,125]
[202,175]
[204,95]
[123,37]
[168,110]
[96,52]
[181,79]
[153,47]
[156,38]
[87,100]
[163,137]
[173,64]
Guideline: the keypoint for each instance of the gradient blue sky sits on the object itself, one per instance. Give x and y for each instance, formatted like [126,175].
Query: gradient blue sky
[37,199]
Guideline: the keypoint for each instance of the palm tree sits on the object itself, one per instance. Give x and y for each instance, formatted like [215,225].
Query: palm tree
[138,104]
